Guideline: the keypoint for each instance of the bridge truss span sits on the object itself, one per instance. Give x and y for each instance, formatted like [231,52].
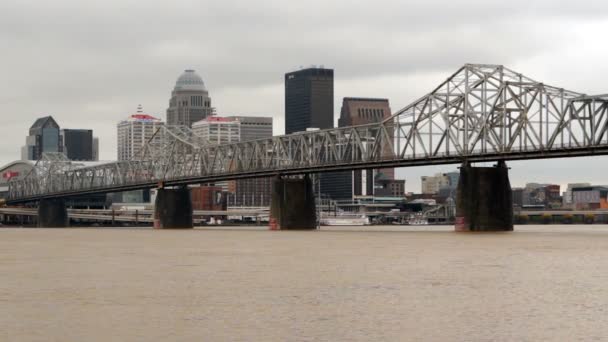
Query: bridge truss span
[480,113]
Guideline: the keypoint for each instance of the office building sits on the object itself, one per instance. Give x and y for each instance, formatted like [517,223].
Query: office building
[95,148]
[44,136]
[361,111]
[219,130]
[309,104]
[545,195]
[253,192]
[567,201]
[134,133]
[590,197]
[449,190]
[190,101]
[432,184]
[254,127]
[78,144]
[518,197]
[309,99]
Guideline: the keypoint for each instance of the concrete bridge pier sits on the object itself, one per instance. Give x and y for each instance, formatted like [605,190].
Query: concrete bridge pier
[173,209]
[293,204]
[52,213]
[484,199]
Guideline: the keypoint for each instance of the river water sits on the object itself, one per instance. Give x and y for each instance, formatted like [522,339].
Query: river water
[350,284]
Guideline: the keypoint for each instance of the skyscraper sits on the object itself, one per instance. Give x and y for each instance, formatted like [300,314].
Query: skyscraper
[190,101]
[134,133]
[95,148]
[361,111]
[78,144]
[309,99]
[309,103]
[43,137]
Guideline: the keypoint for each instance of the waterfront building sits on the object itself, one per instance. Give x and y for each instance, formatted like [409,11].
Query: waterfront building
[590,197]
[190,101]
[449,190]
[388,187]
[547,195]
[19,169]
[432,184]
[16,170]
[44,136]
[518,197]
[253,192]
[134,132]
[567,201]
[78,144]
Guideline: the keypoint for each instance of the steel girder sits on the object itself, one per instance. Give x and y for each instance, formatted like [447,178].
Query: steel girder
[481,110]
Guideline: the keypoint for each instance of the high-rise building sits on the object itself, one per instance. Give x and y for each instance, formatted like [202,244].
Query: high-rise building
[219,130]
[95,148]
[78,144]
[254,127]
[43,137]
[309,103]
[309,99]
[190,101]
[134,133]
[361,111]
[253,192]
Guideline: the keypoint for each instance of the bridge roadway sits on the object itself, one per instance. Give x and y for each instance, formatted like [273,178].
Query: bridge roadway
[480,113]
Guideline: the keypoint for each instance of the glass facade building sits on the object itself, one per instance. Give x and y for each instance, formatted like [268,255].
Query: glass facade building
[43,137]
[78,144]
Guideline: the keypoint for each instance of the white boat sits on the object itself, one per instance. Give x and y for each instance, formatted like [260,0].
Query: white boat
[417,222]
[345,221]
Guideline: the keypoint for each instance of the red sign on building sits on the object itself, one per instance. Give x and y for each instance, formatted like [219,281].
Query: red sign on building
[10,174]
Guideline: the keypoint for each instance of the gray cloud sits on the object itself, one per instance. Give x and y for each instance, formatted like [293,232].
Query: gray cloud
[90,63]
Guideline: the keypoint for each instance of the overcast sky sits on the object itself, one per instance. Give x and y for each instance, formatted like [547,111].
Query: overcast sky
[90,63]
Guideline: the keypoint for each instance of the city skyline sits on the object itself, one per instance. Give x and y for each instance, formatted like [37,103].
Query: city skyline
[78,82]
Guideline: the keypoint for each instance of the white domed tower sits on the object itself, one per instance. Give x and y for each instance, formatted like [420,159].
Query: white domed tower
[190,101]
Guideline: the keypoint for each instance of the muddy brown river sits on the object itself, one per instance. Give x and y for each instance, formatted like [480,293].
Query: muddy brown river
[349,284]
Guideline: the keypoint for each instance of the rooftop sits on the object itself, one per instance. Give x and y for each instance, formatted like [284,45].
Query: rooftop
[190,80]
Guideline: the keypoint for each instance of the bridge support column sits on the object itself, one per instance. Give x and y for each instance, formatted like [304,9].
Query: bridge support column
[484,199]
[293,204]
[52,213]
[173,209]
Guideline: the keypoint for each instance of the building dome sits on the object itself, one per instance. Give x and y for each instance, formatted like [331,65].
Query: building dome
[190,80]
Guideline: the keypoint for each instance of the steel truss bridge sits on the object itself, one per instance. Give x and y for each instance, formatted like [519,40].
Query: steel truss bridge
[480,113]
